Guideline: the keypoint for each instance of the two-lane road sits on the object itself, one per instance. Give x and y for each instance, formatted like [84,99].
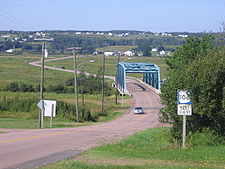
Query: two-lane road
[21,146]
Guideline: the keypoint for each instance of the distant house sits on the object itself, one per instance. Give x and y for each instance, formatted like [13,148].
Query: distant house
[108,53]
[183,36]
[154,49]
[162,52]
[129,53]
[5,36]
[166,34]
[95,53]
[9,51]
[110,34]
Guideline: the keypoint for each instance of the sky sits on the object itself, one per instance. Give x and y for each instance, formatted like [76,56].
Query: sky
[105,15]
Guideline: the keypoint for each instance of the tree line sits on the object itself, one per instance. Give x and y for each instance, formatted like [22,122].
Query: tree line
[199,67]
[88,43]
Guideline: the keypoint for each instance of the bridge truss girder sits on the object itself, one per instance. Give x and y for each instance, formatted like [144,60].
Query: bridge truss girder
[151,74]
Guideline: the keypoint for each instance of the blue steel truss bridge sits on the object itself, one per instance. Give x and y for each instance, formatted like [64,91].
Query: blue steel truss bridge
[150,71]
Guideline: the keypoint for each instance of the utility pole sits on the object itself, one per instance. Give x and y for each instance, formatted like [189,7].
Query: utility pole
[103,81]
[75,79]
[118,61]
[41,113]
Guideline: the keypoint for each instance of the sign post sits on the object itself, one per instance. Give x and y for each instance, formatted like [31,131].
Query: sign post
[41,104]
[48,108]
[51,115]
[184,132]
[184,109]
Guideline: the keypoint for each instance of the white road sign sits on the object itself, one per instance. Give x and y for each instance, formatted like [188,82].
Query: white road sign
[184,109]
[183,97]
[50,108]
[41,104]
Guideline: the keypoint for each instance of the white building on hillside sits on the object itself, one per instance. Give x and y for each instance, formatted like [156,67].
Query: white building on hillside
[129,53]
[154,49]
[162,53]
[9,51]
[183,36]
[108,53]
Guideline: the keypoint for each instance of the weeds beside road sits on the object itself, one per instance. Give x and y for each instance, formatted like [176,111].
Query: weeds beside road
[147,149]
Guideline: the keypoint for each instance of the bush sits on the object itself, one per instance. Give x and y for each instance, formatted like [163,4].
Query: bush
[206,137]
[19,87]
[65,111]
[89,84]
[56,88]
[12,87]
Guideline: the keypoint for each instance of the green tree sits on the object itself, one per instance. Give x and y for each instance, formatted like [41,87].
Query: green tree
[12,87]
[198,67]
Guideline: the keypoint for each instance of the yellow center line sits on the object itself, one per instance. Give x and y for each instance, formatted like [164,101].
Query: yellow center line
[68,131]
[39,136]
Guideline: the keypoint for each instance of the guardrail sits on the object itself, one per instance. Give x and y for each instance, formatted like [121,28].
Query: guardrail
[145,84]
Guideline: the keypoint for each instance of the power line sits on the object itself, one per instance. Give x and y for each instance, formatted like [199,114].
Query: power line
[7,25]
[15,20]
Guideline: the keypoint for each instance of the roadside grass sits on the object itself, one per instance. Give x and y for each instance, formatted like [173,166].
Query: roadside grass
[93,67]
[70,164]
[29,120]
[15,123]
[148,149]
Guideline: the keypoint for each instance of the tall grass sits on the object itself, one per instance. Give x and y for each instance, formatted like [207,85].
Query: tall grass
[149,149]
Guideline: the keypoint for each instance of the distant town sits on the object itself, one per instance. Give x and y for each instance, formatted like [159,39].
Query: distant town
[123,43]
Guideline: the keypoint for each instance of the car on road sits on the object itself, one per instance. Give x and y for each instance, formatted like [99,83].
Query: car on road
[138,110]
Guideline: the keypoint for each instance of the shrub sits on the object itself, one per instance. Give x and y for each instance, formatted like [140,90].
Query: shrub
[19,87]
[65,111]
[206,137]
[12,87]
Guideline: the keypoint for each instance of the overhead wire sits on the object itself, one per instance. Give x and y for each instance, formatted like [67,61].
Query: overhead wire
[15,21]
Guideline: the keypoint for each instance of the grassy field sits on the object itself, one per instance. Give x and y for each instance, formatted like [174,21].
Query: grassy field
[15,68]
[93,67]
[147,149]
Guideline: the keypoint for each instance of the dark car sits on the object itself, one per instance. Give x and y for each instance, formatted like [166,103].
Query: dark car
[138,110]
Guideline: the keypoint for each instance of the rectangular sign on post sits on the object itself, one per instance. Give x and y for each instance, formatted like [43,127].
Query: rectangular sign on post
[41,104]
[50,108]
[184,109]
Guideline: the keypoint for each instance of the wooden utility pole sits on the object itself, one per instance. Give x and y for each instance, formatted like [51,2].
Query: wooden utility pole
[103,81]
[41,113]
[75,79]
[118,61]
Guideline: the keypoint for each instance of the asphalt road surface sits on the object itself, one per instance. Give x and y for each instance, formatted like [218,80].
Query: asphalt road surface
[35,148]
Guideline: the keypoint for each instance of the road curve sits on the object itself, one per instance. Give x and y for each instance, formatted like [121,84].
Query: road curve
[21,146]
